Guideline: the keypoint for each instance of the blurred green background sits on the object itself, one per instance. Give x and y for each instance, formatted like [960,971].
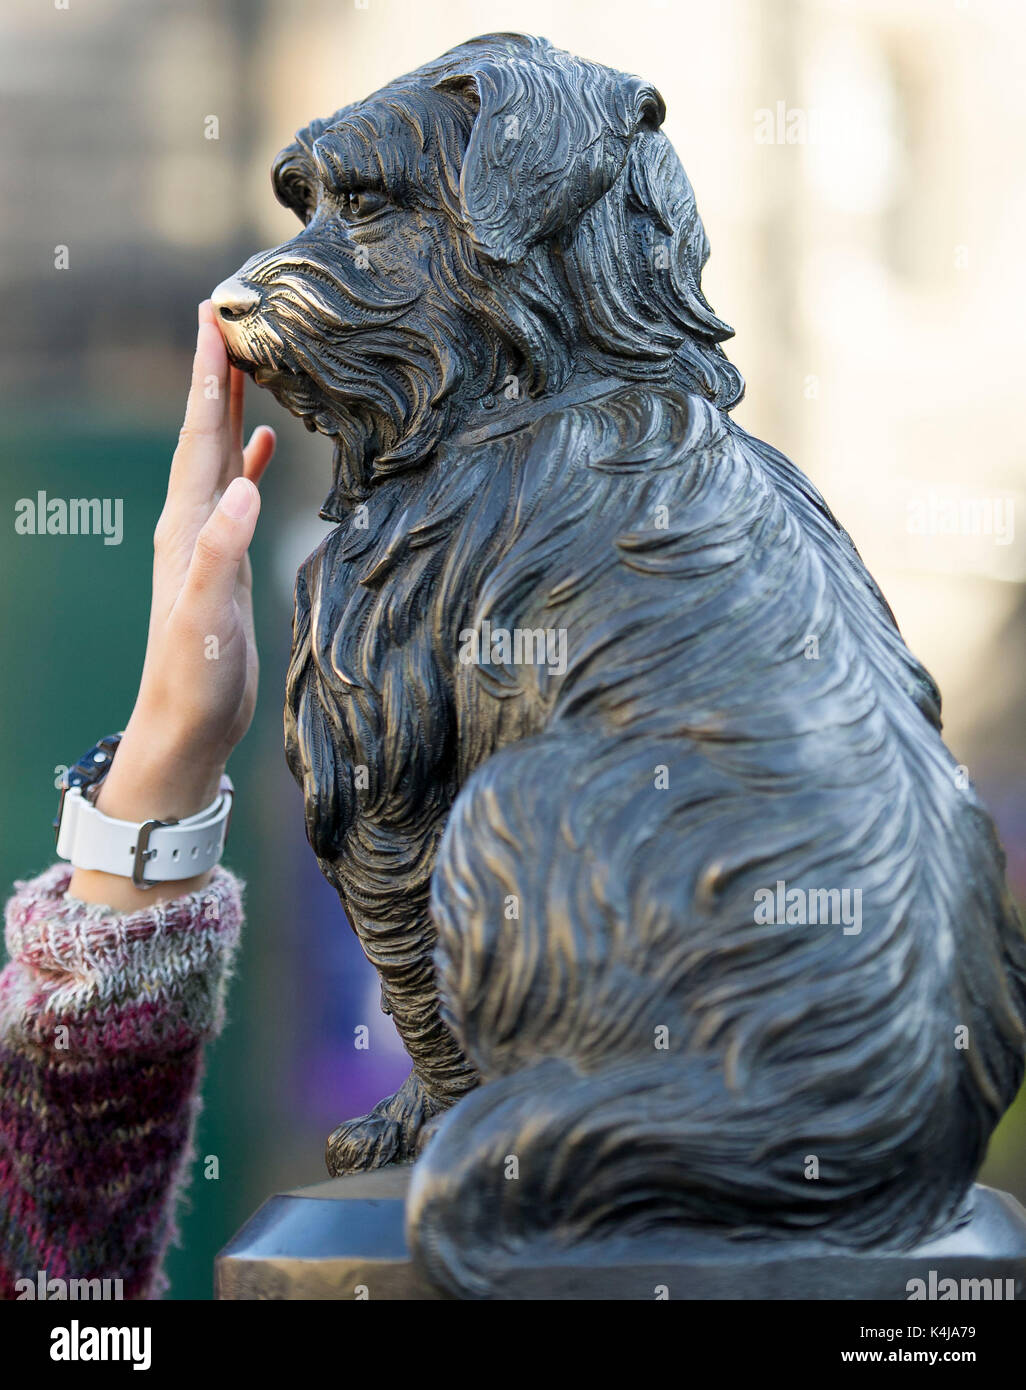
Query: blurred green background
[854,264]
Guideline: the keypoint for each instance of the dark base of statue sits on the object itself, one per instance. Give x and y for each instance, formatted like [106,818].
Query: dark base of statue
[344,1239]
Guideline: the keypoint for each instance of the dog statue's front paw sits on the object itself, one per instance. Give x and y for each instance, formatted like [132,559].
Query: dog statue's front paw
[391,1133]
[372,1141]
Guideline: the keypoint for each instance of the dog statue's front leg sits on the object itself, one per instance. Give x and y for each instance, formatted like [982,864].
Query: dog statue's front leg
[395,1129]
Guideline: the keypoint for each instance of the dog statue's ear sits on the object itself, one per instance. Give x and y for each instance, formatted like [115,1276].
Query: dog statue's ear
[551,136]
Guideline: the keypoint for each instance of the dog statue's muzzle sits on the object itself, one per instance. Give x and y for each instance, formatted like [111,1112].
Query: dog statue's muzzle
[252,343]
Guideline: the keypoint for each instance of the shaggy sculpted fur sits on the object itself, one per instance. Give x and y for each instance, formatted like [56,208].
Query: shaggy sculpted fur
[494,309]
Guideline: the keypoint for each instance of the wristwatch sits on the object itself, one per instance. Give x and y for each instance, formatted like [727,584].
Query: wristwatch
[157,851]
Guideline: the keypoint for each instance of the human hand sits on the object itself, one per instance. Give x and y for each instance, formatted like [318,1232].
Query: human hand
[198,687]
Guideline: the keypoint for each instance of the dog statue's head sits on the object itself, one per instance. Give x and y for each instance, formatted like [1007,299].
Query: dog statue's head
[497,224]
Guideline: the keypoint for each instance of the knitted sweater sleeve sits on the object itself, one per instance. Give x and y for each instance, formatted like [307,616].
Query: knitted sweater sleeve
[103,1017]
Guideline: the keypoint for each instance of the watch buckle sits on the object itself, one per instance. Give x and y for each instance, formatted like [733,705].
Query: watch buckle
[143,853]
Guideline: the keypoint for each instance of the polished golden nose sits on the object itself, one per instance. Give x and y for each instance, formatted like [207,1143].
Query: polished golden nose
[234,299]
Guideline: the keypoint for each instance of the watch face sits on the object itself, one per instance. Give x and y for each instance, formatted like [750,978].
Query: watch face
[90,770]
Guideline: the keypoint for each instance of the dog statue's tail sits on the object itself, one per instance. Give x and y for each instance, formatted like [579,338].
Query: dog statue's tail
[550,1161]
[487,1195]
[554,1166]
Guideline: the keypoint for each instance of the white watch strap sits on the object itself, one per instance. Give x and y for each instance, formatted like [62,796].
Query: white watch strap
[153,852]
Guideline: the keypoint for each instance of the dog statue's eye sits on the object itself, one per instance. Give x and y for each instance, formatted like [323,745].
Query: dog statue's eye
[361,203]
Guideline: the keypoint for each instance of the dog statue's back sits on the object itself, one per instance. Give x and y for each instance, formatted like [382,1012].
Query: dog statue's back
[608,740]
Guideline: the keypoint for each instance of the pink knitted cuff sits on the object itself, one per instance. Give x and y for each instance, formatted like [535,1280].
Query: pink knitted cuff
[87,978]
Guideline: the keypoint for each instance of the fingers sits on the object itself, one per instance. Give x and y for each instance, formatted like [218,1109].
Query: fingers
[236,397]
[258,452]
[221,547]
[236,402]
[199,541]
[203,443]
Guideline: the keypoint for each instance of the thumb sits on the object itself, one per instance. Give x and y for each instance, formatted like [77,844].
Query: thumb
[222,542]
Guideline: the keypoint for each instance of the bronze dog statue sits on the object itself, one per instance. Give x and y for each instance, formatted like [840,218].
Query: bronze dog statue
[599,717]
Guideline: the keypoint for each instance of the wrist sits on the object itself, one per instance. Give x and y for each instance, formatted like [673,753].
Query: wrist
[153,777]
[150,778]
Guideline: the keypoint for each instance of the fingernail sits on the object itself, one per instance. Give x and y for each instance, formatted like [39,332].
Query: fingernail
[237,499]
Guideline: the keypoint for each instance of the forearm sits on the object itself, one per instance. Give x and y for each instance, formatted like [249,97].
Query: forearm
[102,1021]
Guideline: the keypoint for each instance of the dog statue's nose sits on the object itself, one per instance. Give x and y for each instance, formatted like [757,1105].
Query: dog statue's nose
[234,299]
